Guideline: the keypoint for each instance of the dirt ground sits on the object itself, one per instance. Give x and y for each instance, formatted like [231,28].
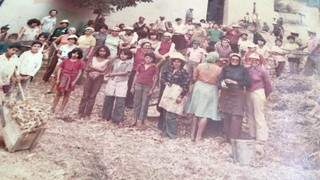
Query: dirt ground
[94,150]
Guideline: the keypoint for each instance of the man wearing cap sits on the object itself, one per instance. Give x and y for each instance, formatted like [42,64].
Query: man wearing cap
[62,29]
[87,42]
[313,62]
[166,47]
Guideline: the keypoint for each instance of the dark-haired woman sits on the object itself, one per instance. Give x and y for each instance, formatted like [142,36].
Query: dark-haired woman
[31,31]
[139,58]
[116,88]
[68,74]
[97,67]
[143,86]
[234,80]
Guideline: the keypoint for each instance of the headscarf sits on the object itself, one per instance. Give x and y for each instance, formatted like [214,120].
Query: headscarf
[212,57]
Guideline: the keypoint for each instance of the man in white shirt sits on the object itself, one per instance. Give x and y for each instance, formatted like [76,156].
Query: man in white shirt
[48,23]
[30,63]
[8,69]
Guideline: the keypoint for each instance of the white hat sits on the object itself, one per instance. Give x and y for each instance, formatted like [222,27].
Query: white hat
[177,55]
[89,29]
[65,21]
[252,45]
[254,56]
[128,28]
[73,36]
[167,34]
[115,29]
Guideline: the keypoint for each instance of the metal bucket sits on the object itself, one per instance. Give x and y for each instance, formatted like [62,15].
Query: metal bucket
[243,151]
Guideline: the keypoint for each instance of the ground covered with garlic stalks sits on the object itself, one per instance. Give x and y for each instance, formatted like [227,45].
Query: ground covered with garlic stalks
[93,149]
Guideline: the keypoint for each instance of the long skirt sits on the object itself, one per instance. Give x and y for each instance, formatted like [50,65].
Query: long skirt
[232,102]
[204,101]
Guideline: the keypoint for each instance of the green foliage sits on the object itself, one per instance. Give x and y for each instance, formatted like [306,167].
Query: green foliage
[105,6]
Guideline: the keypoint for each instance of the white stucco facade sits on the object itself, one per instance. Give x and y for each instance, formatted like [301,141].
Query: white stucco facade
[171,9]
[16,13]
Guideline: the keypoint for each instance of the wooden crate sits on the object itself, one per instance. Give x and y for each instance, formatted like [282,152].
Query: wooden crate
[14,138]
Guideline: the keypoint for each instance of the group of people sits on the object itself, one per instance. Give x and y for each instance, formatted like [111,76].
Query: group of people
[211,71]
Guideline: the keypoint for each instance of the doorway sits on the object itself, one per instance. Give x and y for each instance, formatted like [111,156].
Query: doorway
[215,11]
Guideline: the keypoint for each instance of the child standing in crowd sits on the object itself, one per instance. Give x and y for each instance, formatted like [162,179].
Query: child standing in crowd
[294,61]
[68,74]
[195,55]
[143,86]
[116,88]
[278,55]
[97,67]
[30,63]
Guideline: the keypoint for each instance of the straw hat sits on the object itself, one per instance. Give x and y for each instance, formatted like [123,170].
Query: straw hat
[128,28]
[177,55]
[254,56]
[89,29]
[65,21]
[73,37]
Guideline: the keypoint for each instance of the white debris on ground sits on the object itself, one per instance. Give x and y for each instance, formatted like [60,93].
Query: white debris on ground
[93,149]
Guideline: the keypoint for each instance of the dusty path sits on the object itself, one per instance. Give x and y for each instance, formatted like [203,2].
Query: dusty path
[98,150]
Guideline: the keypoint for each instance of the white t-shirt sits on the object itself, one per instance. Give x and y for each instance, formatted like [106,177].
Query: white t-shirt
[7,68]
[196,55]
[30,63]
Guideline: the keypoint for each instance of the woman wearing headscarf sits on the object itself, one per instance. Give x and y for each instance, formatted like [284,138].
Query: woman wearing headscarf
[174,87]
[258,91]
[234,80]
[204,100]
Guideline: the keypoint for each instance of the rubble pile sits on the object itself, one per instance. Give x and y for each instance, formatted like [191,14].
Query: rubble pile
[28,116]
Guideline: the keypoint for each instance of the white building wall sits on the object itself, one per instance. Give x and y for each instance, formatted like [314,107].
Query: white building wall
[17,12]
[171,9]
